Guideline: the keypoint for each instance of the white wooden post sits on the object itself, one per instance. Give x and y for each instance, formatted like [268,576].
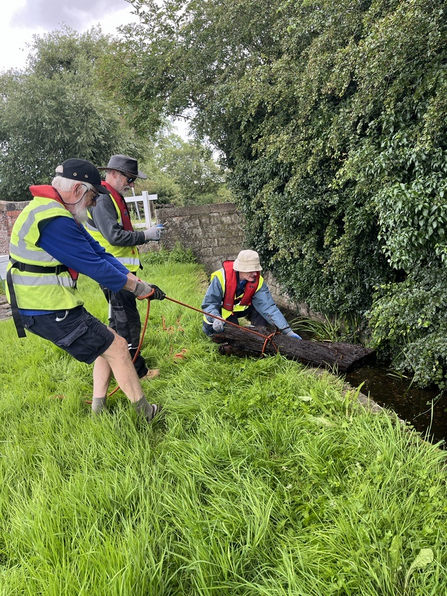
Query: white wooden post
[149,211]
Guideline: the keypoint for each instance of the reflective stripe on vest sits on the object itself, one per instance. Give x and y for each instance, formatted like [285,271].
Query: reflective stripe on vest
[39,291]
[126,255]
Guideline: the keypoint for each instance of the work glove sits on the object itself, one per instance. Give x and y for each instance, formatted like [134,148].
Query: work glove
[218,325]
[153,233]
[144,290]
[158,293]
[291,333]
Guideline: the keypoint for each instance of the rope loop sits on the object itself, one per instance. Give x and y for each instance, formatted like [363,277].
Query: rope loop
[269,339]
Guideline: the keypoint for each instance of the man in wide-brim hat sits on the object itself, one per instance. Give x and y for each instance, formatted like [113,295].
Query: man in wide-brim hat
[238,290]
[109,223]
[125,165]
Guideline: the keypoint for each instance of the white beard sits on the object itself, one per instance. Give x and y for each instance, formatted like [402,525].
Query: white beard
[79,212]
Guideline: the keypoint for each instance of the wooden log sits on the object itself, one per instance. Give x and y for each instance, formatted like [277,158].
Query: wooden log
[341,356]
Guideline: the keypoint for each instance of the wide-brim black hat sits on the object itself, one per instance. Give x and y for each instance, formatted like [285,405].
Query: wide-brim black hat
[124,164]
[82,171]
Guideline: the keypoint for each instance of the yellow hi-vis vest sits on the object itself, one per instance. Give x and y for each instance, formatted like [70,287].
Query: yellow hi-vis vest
[220,274]
[126,255]
[39,291]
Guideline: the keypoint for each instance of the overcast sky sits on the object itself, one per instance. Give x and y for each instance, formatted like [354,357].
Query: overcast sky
[20,19]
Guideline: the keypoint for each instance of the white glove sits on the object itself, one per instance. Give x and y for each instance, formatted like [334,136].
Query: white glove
[153,233]
[218,325]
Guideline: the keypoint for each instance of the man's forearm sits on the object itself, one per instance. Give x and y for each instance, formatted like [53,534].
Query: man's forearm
[105,219]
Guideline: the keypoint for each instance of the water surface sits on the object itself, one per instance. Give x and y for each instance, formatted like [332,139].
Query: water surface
[424,409]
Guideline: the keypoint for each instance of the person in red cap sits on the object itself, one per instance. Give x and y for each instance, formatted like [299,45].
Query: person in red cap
[48,249]
[239,290]
[109,223]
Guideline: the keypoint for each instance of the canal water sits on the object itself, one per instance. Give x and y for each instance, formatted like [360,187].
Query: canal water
[423,409]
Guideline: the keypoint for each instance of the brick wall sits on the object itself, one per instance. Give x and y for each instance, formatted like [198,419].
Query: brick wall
[9,212]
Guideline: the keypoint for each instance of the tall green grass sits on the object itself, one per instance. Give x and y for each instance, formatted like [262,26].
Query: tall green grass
[264,478]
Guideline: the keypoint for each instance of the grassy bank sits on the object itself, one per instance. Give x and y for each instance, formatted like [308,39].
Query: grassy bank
[264,479]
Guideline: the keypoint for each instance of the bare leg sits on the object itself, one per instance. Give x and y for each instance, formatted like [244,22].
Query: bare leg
[101,377]
[117,359]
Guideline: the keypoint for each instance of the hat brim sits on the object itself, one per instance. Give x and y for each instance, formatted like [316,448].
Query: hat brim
[141,175]
[247,269]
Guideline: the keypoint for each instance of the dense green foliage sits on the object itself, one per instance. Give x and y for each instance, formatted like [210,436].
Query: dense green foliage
[332,118]
[57,108]
[264,479]
[53,110]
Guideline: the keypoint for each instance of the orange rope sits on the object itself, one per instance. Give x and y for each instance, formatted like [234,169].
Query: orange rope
[267,338]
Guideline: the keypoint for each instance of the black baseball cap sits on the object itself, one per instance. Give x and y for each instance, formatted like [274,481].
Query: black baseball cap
[82,171]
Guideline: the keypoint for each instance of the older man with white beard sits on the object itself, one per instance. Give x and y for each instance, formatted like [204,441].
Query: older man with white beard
[109,223]
[48,249]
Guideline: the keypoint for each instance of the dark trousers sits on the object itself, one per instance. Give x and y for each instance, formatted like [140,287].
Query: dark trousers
[124,318]
[251,314]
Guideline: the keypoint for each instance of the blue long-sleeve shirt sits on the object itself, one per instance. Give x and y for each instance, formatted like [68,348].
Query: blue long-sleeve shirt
[69,243]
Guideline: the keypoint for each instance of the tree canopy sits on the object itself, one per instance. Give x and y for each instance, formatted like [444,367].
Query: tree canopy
[58,108]
[54,110]
[331,116]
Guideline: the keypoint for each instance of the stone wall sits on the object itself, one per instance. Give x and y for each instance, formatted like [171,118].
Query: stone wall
[9,212]
[214,233]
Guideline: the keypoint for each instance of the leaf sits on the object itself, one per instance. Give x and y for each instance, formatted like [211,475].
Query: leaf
[395,549]
[424,558]
[321,421]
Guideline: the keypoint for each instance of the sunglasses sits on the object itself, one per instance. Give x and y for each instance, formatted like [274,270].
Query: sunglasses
[92,190]
[129,179]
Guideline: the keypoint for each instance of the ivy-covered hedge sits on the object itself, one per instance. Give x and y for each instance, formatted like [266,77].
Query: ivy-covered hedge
[331,116]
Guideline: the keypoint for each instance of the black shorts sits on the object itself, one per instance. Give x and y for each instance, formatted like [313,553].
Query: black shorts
[76,331]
